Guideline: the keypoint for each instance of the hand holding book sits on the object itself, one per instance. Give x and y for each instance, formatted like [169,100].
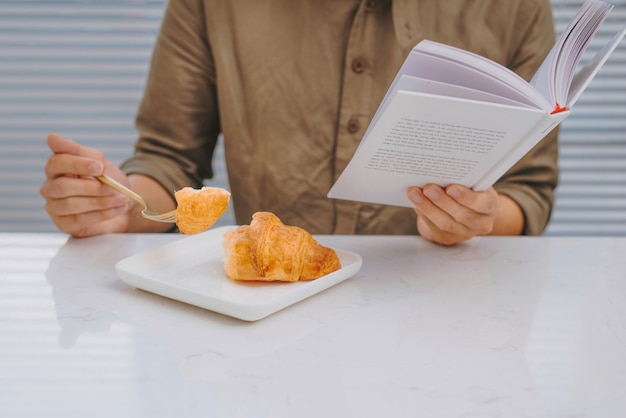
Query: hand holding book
[454,117]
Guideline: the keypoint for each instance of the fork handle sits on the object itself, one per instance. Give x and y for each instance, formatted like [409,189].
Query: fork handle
[122,189]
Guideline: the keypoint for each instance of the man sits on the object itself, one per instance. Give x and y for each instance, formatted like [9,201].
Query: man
[292,87]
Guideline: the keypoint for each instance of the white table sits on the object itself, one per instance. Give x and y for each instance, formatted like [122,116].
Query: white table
[497,327]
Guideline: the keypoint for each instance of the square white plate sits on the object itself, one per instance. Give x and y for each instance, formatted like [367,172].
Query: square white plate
[191,270]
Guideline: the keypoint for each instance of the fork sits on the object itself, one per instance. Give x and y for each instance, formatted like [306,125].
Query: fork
[168,217]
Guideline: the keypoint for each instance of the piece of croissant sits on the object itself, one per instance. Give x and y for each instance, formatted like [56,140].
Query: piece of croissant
[268,250]
[198,209]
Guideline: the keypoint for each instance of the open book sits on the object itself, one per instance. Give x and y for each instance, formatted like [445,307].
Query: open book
[451,116]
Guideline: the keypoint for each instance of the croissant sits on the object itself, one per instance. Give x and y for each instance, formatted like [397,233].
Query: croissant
[199,209]
[268,250]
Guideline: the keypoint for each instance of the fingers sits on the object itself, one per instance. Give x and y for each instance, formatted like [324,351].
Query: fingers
[72,159]
[461,205]
[75,201]
[91,210]
[434,223]
[88,188]
[84,207]
[66,196]
[92,223]
[430,231]
[60,145]
[454,214]
[480,202]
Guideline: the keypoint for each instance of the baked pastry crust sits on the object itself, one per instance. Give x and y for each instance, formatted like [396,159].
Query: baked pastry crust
[198,209]
[268,250]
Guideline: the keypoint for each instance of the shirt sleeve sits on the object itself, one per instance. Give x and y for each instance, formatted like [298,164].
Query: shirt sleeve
[177,120]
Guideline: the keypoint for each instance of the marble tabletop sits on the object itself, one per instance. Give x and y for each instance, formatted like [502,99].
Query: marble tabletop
[495,327]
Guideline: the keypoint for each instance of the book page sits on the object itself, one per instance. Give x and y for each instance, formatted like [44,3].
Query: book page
[587,73]
[428,61]
[421,85]
[421,138]
[445,63]
[530,139]
[554,77]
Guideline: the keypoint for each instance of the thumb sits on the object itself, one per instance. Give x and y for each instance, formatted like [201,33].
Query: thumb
[60,145]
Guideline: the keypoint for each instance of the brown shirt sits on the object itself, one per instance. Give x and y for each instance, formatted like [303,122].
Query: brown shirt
[292,85]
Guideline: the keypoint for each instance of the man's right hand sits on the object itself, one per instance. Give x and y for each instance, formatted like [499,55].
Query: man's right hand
[77,203]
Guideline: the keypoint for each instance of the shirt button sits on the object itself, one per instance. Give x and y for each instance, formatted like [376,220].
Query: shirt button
[358,65]
[369,5]
[354,125]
